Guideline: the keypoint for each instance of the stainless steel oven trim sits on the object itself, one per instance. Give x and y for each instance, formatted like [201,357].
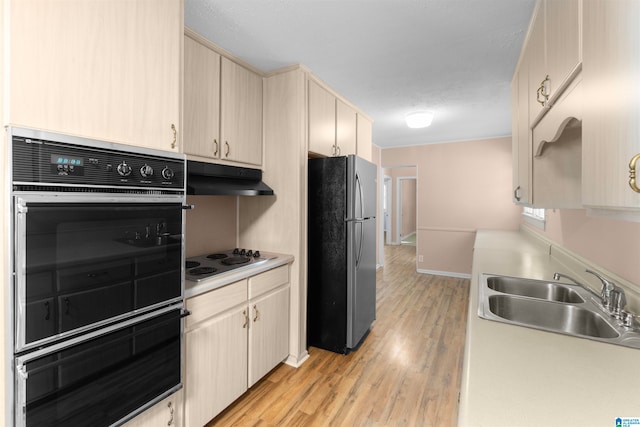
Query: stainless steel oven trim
[11,416]
[20,399]
[77,140]
[19,288]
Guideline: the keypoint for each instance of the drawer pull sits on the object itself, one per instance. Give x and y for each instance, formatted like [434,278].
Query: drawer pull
[632,173]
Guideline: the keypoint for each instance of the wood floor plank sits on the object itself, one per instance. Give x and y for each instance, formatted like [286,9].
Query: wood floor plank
[406,373]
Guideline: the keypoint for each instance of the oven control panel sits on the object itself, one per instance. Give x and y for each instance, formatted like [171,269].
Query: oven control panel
[41,161]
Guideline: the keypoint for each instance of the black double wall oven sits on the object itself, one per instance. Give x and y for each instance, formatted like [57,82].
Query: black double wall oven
[97,284]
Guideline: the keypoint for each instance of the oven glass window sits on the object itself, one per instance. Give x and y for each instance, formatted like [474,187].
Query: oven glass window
[100,381]
[87,263]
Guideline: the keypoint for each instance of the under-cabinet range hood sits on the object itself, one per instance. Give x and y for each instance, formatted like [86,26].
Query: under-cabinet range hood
[208,179]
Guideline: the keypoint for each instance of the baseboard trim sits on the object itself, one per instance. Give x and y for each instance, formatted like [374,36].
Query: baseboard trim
[445,273]
[296,362]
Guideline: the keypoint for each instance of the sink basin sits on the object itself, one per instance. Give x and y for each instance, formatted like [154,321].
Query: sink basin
[566,318]
[534,288]
[552,307]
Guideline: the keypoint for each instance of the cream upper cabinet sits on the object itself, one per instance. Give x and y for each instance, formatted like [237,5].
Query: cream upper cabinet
[201,136]
[521,135]
[322,120]
[332,123]
[222,107]
[108,70]
[610,131]
[536,59]
[554,52]
[346,128]
[241,114]
[364,135]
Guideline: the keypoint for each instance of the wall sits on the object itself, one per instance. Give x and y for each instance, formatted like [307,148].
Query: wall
[211,225]
[408,207]
[611,244]
[461,187]
[375,158]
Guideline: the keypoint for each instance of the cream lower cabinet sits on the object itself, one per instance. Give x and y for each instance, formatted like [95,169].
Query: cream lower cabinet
[234,336]
[108,70]
[167,412]
[269,331]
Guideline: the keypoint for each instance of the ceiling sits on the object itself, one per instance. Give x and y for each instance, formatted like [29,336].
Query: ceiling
[452,57]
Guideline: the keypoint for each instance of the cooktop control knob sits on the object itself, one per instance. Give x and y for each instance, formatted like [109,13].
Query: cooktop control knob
[146,171]
[249,253]
[236,251]
[256,254]
[243,252]
[167,173]
[124,169]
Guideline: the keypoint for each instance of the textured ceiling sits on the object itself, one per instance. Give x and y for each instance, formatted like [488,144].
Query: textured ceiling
[388,57]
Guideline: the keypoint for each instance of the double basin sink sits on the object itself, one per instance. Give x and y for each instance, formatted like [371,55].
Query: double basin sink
[550,306]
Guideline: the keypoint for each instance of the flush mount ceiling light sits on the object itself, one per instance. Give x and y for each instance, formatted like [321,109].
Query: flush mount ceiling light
[419,119]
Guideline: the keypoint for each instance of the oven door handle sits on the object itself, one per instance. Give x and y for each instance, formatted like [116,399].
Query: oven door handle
[184,313]
[188,207]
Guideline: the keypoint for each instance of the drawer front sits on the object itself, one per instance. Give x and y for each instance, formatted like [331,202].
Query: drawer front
[216,301]
[267,281]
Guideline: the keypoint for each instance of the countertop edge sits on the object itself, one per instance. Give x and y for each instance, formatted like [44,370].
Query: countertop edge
[192,289]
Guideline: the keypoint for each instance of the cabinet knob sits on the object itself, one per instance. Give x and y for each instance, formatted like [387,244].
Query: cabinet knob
[632,173]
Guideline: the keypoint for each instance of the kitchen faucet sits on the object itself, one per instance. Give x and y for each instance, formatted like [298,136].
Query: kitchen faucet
[612,296]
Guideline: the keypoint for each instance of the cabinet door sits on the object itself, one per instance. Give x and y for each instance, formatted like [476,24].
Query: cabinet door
[521,144]
[346,128]
[241,114]
[364,137]
[108,69]
[562,40]
[610,131]
[216,366]
[269,333]
[201,135]
[536,56]
[322,120]
[167,412]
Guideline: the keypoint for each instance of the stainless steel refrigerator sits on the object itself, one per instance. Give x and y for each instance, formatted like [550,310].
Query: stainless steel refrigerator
[341,273]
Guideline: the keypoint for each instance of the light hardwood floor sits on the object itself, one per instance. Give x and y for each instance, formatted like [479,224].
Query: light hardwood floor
[406,373]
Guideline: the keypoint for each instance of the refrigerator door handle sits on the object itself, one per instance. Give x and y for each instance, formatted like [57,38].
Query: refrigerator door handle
[359,255]
[359,190]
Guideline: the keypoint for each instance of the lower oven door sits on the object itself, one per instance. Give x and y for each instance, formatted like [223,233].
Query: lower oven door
[101,380]
[84,262]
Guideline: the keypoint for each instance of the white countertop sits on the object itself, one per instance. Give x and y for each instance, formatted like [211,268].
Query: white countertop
[192,289]
[516,376]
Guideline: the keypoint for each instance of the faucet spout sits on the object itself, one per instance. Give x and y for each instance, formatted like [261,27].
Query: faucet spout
[558,276]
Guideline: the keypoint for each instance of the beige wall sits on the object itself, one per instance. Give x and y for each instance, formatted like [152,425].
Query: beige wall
[408,208]
[611,244]
[375,158]
[461,187]
[211,225]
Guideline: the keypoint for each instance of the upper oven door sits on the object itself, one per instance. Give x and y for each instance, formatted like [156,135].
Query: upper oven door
[84,262]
